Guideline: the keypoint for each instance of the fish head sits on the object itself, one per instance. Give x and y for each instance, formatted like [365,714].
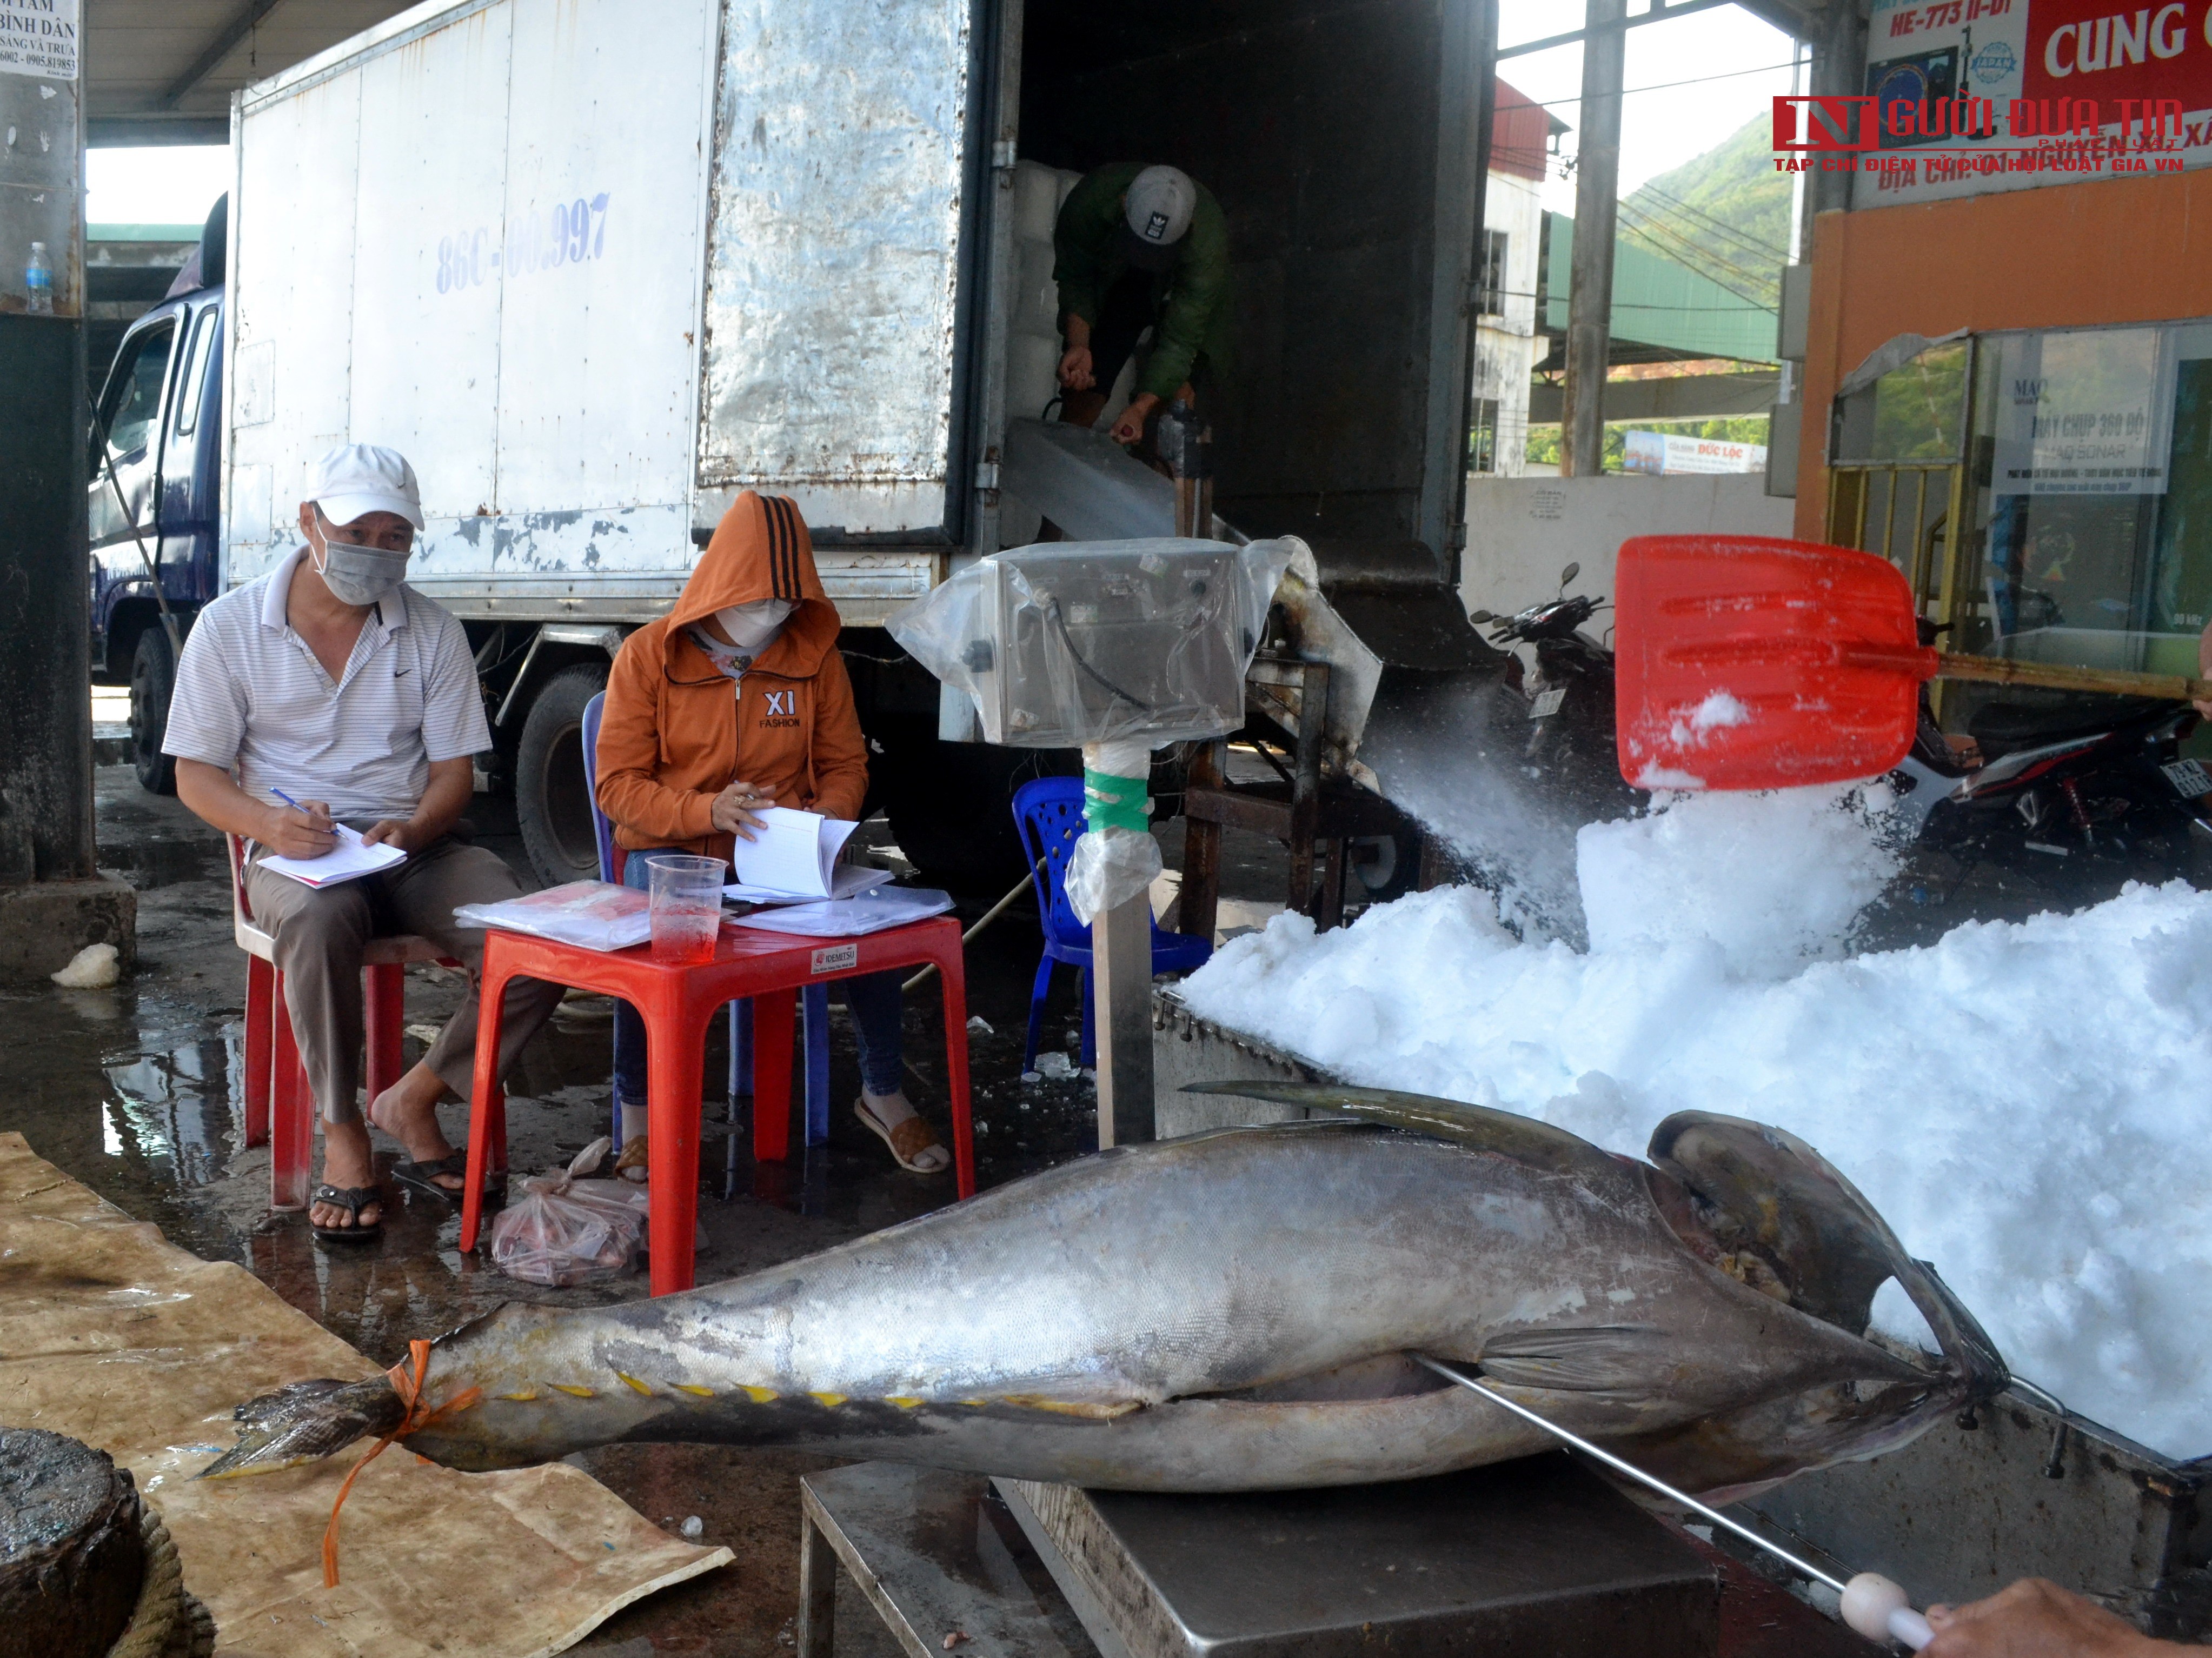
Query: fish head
[1759,1204]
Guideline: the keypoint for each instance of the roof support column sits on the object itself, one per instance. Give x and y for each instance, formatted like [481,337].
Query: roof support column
[1838,69]
[1597,190]
[52,901]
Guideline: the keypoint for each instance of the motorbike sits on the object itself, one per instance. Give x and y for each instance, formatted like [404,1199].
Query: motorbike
[1565,676]
[2075,797]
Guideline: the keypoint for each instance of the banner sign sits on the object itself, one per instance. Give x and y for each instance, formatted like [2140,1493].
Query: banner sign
[1667,452]
[1966,96]
[39,37]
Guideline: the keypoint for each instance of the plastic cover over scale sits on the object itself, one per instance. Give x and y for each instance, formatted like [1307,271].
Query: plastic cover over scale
[1067,643]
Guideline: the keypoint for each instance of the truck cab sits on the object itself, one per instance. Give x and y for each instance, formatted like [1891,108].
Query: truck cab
[155,470]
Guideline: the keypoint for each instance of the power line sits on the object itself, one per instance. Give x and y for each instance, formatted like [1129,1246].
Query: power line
[1694,256]
[1663,86]
[1749,242]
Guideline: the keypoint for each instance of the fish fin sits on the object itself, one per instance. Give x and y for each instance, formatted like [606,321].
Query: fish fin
[1478,1127]
[1832,1244]
[1591,1358]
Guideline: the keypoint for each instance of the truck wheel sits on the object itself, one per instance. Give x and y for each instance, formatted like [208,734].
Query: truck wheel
[152,677]
[950,804]
[551,804]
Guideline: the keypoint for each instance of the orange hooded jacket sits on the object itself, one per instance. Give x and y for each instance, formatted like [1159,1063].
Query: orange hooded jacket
[672,736]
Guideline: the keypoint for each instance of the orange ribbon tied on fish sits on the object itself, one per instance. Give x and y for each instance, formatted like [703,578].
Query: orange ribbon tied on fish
[419,1415]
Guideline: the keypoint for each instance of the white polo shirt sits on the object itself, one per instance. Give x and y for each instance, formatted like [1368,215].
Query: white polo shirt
[251,696]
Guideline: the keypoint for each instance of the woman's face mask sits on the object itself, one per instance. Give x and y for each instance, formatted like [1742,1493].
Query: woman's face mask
[751,627]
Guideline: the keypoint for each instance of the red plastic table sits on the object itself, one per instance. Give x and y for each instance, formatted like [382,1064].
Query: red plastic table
[677,1003]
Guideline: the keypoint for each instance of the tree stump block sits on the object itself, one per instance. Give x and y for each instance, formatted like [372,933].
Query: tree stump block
[72,1556]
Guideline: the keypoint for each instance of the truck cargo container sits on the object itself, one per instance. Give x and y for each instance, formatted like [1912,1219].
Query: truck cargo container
[597,267]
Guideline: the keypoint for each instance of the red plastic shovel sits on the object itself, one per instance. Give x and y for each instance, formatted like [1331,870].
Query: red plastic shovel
[1746,662]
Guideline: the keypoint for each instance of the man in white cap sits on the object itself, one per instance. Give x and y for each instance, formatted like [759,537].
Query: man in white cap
[1138,247]
[328,692]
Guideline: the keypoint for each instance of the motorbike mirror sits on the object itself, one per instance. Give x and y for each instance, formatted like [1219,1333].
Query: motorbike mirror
[1569,574]
[1481,615]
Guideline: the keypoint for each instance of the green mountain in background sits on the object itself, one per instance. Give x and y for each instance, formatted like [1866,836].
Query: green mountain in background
[1725,215]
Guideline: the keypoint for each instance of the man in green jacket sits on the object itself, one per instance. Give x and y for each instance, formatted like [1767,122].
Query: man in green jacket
[1138,247]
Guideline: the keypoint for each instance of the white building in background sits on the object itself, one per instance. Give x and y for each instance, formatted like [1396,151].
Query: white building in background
[1506,343]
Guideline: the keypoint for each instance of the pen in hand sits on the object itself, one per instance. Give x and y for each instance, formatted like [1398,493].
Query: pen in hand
[333,829]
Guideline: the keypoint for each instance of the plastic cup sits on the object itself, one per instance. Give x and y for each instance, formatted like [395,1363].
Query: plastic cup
[687,906]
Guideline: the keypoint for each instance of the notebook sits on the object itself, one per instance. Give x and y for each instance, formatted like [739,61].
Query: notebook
[846,881]
[349,861]
[850,917]
[792,855]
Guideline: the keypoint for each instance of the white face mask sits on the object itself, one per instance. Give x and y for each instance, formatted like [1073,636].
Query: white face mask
[751,627]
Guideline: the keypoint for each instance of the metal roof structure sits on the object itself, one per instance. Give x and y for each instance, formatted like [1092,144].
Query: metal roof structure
[1659,304]
[161,71]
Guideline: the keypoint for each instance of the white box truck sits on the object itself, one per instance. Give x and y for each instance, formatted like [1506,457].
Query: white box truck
[596,265]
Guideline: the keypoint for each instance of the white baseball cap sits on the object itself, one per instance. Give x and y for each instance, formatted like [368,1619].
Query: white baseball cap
[1156,208]
[356,479]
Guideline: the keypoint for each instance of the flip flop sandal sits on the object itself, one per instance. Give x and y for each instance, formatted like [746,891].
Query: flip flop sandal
[908,1141]
[633,1163]
[423,1177]
[353,1200]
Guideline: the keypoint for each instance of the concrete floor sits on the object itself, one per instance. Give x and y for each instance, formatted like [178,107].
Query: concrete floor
[135,1091]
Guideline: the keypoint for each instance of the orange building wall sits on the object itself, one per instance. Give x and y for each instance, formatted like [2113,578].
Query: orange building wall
[2110,251]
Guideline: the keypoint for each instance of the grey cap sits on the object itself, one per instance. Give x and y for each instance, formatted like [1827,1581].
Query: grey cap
[1156,210]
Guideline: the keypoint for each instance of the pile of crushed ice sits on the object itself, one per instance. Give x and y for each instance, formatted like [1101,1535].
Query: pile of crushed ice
[2030,1106]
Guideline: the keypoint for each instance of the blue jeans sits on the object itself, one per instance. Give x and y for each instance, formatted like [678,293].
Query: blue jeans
[873,997]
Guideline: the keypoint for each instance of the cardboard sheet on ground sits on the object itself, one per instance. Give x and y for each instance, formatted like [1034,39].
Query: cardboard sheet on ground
[111,1334]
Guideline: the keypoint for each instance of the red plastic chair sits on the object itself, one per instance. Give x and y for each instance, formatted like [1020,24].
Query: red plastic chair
[279,1106]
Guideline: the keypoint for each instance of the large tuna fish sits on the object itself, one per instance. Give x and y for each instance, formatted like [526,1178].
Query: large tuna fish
[1236,1311]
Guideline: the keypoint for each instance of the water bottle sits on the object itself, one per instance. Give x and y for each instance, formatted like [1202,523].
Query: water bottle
[39,283]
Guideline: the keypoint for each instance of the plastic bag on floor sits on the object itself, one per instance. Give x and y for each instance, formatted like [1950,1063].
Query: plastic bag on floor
[565,1230]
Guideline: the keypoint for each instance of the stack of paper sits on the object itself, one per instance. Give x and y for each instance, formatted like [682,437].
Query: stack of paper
[349,861]
[592,914]
[848,918]
[794,856]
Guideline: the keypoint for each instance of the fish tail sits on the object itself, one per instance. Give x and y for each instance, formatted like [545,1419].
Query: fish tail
[306,1421]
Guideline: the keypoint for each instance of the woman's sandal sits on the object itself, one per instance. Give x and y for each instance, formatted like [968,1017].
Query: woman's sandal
[907,1140]
[353,1200]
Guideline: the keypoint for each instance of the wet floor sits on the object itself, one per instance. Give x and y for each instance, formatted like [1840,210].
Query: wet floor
[137,1092]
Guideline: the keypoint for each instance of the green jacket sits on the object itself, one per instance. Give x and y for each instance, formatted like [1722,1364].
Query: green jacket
[1191,301]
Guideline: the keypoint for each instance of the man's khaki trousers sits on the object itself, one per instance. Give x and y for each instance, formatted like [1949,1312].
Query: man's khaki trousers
[319,933]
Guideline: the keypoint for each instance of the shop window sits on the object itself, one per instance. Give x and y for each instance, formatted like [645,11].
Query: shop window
[1482,439]
[2094,507]
[2079,462]
[1916,411]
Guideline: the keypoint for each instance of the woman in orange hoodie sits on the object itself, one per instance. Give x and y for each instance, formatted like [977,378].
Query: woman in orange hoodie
[734,701]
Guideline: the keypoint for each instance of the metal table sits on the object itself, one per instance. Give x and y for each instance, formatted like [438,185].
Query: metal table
[1537,1555]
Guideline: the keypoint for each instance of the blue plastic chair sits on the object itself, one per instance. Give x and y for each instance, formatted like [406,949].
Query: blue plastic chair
[813,1001]
[1049,812]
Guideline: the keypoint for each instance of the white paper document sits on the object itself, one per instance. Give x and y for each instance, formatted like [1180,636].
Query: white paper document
[349,861]
[594,914]
[792,855]
[849,918]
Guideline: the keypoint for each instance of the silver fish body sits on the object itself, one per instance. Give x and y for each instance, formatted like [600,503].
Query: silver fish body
[1236,1311]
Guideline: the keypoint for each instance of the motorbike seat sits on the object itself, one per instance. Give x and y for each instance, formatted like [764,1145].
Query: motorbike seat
[2001,727]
